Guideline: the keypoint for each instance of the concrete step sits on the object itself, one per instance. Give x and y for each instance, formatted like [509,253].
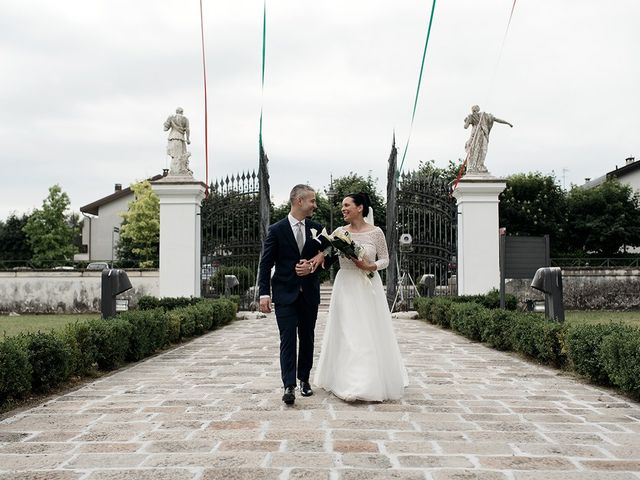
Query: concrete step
[325,297]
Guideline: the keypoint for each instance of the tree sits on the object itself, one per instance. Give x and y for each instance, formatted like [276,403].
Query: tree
[140,230]
[14,245]
[603,219]
[533,204]
[354,183]
[448,173]
[47,230]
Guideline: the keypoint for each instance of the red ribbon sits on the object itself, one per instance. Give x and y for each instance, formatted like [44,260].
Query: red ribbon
[206,123]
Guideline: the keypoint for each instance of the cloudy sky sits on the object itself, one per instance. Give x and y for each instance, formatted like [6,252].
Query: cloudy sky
[87,84]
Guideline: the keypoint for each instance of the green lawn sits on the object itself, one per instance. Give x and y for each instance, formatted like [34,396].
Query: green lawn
[602,316]
[32,323]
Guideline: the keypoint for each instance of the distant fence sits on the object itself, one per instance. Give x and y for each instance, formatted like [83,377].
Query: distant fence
[628,262]
[589,288]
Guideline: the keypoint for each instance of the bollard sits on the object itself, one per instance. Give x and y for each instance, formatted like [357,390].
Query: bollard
[114,282]
[549,281]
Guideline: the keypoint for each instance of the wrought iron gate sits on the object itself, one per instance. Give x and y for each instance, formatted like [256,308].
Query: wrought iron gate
[421,206]
[231,236]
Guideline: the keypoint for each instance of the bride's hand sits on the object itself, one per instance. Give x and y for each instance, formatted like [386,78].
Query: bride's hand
[364,265]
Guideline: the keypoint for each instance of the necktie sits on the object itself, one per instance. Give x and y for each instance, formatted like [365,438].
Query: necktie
[299,236]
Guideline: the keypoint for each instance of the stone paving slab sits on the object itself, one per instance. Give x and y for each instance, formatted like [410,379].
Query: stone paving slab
[211,409]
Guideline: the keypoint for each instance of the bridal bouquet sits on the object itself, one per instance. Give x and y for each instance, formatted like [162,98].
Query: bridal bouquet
[342,241]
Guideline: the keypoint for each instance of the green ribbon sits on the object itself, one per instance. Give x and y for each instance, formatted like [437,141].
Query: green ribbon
[264,48]
[415,103]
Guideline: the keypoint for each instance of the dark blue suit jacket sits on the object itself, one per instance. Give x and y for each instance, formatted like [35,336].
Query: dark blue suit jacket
[280,249]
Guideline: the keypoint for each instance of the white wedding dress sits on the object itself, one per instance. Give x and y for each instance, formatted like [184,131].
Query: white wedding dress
[360,358]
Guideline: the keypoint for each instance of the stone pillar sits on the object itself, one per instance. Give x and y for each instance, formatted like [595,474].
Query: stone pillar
[478,235]
[180,200]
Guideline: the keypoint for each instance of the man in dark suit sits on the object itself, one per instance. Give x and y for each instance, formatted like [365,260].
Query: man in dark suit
[295,287]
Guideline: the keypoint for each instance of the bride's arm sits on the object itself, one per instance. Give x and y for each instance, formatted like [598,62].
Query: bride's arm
[381,250]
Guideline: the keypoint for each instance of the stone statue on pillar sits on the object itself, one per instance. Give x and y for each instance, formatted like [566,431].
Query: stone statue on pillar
[476,147]
[178,127]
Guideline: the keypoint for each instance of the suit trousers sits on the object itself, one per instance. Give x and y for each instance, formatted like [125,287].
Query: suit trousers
[296,321]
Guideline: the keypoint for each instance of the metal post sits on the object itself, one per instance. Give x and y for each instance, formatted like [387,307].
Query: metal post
[331,195]
[113,232]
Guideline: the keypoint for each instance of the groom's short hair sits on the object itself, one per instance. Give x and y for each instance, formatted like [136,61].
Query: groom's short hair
[298,191]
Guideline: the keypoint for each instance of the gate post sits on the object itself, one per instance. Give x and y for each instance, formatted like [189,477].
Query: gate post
[180,235]
[392,219]
[478,235]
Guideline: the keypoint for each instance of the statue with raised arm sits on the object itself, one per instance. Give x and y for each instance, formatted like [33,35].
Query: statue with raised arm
[476,147]
[178,127]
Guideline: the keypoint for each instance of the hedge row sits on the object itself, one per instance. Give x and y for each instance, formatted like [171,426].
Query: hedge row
[608,354]
[39,362]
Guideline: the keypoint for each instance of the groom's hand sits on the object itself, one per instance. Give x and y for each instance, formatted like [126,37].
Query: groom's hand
[265,304]
[304,267]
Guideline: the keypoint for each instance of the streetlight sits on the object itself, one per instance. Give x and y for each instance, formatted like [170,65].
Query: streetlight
[113,232]
[330,196]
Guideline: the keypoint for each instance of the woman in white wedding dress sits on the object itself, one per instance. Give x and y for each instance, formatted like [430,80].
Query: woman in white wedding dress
[360,358]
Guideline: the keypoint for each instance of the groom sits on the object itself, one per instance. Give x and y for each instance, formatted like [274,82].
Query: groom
[295,287]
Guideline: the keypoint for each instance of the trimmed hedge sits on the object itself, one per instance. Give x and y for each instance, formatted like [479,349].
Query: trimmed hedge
[15,369]
[490,300]
[50,359]
[148,302]
[608,354]
[39,362]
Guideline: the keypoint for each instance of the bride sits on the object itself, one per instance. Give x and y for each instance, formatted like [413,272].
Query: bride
[360,358]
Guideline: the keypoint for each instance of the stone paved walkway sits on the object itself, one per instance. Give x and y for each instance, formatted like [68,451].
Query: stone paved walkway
[211,409]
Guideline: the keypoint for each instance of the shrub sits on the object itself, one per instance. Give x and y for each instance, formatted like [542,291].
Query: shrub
[187,322]
[148,332]
[621,357]
[148,302]
[50,359]
[209,318]
[111,340]
[549,341]
[441,312]
[496,330]
[423,306]
[584,344]
[15,369]
[224,311]
[468,319]
[42,361]
[489,300]
[172,320]
[83,351]
[166,303]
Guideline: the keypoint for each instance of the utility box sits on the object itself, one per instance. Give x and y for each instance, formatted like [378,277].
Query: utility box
[549,281]
[428,281]
[114,282]
[230,281]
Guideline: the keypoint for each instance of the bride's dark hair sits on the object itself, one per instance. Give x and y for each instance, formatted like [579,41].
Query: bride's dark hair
[361,198]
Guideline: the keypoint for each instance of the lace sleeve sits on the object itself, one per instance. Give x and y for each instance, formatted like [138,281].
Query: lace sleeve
[381,249]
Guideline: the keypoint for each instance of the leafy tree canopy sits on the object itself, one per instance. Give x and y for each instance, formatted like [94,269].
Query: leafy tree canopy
[140,231]
[533,204]
[14,245]
[48,232]
[448,173]
[355,183]
[603,219]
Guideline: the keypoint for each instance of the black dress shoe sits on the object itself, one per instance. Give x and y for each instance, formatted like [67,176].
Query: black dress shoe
[305,389]
[289,395]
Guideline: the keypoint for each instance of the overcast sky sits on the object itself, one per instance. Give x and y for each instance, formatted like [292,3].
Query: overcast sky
[87,84]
